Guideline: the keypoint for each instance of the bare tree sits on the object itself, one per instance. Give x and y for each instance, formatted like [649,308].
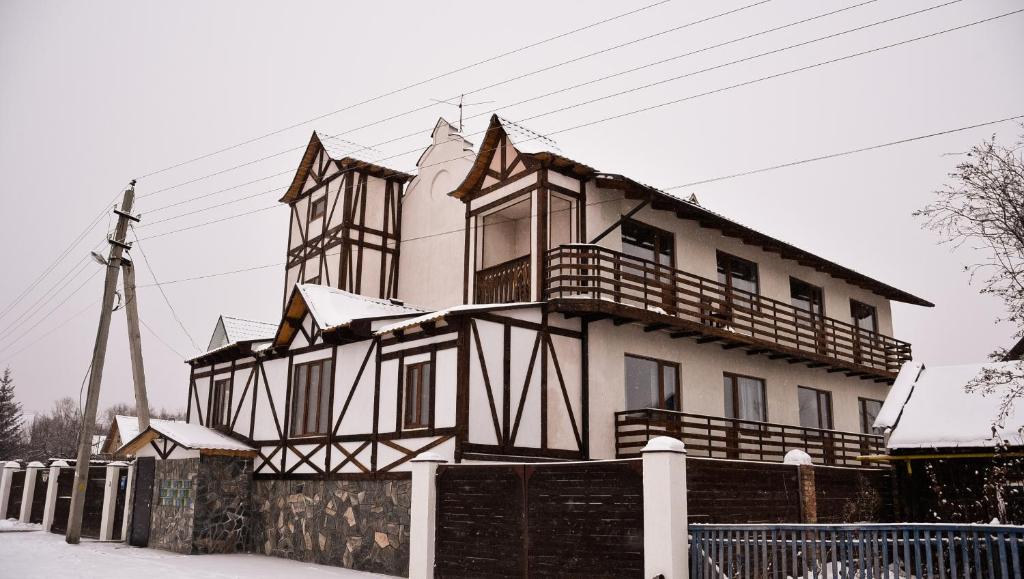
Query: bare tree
[56,434]
[983,207]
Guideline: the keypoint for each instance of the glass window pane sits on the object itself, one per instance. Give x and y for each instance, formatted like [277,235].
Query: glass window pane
[751,398]
[868,412]
[641,383]
[825,403]
[805,296]
[411,394]
[299,400]
[864,316]
[313,401]
[671,381]
[730,399]
[809,409]
[325,398]
[425,387]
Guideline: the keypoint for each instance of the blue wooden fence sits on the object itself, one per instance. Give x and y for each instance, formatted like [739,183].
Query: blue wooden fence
[867,551]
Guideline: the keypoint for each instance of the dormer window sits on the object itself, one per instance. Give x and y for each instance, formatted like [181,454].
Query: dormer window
[319,209]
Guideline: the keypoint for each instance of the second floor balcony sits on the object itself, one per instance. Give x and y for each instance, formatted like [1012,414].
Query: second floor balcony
[607,283]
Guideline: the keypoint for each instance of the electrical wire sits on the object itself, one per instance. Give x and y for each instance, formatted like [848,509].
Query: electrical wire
[167,300]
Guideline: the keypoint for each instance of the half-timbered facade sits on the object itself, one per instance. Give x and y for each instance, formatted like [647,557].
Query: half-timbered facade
[513,303]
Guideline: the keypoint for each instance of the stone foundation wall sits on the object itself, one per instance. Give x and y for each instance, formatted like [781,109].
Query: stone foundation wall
[358,524]
[223,500]
[171,525]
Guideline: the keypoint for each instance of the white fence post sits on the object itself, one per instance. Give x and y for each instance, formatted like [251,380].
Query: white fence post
[109,500]
[51,493]
[665,523]
[29,490]
[5,485]
[126,516]
[422,515]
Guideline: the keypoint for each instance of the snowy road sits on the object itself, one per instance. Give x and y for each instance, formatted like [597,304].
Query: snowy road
[39,554]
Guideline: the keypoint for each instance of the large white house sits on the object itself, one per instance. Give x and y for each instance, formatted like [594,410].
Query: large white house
[516,304]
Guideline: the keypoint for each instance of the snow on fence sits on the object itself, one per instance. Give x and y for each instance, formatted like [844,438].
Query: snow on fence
[856,551]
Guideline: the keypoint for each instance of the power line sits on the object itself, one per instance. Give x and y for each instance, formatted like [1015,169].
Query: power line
[415,84]
[434,104]
[690,97]
[160,339]
[167,300]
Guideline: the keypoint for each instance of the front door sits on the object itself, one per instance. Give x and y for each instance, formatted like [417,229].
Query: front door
[142,502]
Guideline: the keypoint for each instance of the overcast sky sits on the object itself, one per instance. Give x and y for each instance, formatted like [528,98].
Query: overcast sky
[93,94]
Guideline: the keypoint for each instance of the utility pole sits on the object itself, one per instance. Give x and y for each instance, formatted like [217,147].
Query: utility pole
[131,308]
[117,247]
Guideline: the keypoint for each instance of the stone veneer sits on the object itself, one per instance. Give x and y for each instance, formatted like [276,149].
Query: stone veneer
[358,524]
[223,499]
[170,526]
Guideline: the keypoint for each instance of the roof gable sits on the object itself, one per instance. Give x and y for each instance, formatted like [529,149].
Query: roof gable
[332,309]
[188,435]
[323,157]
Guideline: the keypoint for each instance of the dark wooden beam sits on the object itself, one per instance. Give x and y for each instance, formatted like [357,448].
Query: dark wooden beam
[687,334]
[707,339]
[655,327]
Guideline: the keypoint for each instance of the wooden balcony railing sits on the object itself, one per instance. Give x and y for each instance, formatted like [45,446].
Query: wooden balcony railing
[505,283]
[717,437]
[592,272]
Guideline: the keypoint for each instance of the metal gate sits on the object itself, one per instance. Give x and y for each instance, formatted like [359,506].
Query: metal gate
[39,496]
[577,519]
[17,488]
[62,505]
[142,502]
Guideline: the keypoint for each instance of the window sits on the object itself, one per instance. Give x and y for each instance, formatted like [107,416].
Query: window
[864,316]
[815,408]
[175,493]
[737,273]
[418,383]
[868,412]
[311,390]
[319,208]
[220,413]
[745,398]
[647,242]
[806,297]
[651,383]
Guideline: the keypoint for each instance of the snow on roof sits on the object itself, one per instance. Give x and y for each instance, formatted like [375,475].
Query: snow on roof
[335,308]
[898,394]
[196,436]
[127,427]
[434,316]
[230,330]
[940,413]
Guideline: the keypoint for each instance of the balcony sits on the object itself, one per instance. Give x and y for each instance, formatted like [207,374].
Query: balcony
[716,437]
[599,282]
[505,283]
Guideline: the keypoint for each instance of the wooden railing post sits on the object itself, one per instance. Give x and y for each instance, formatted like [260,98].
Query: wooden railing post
[423,515]
[665,516]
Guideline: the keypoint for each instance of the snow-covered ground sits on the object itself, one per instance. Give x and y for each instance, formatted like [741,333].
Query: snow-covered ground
[16,525]
[39,554]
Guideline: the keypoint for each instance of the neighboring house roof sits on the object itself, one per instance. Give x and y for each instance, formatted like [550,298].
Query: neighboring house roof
[534,145]
[343,157]
[122,430]
[930,407]
[231,330]
[1016,352]
[187,435]
[334,309]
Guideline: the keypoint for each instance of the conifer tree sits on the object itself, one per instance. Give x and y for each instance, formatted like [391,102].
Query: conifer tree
[11,434]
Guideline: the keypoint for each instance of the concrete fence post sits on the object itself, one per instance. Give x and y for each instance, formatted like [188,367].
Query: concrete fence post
[28,492]
[806,484]
[665,519]
[128,502]
[110,500]
[6,481]
[49,508]
[423,514]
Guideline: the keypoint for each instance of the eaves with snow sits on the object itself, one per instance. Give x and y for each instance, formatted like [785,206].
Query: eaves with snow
[929,407]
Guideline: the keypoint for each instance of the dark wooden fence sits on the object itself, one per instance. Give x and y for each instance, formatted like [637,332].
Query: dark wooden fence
[717,437]
[39,496]
[62,505]
[862,551]
[567,519]
[726,491]
[14,500]
[594,272]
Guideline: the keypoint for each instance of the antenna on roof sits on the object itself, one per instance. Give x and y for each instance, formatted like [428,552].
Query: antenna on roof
[461,105]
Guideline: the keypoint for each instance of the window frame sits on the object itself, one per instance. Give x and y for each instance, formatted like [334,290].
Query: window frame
[728,257]
[662,238]
[874,315]
[820,291]
[734,383]
[323,387]
[661,380]
[411,399]
[818,394]
[864,427]
[314,204]
[220,411]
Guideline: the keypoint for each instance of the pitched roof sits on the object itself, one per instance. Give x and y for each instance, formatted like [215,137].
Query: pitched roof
[933,409]
[333,308]
[231,330]
[448,312]
[337,151]
[188,435]
[545,151]
[127,427]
